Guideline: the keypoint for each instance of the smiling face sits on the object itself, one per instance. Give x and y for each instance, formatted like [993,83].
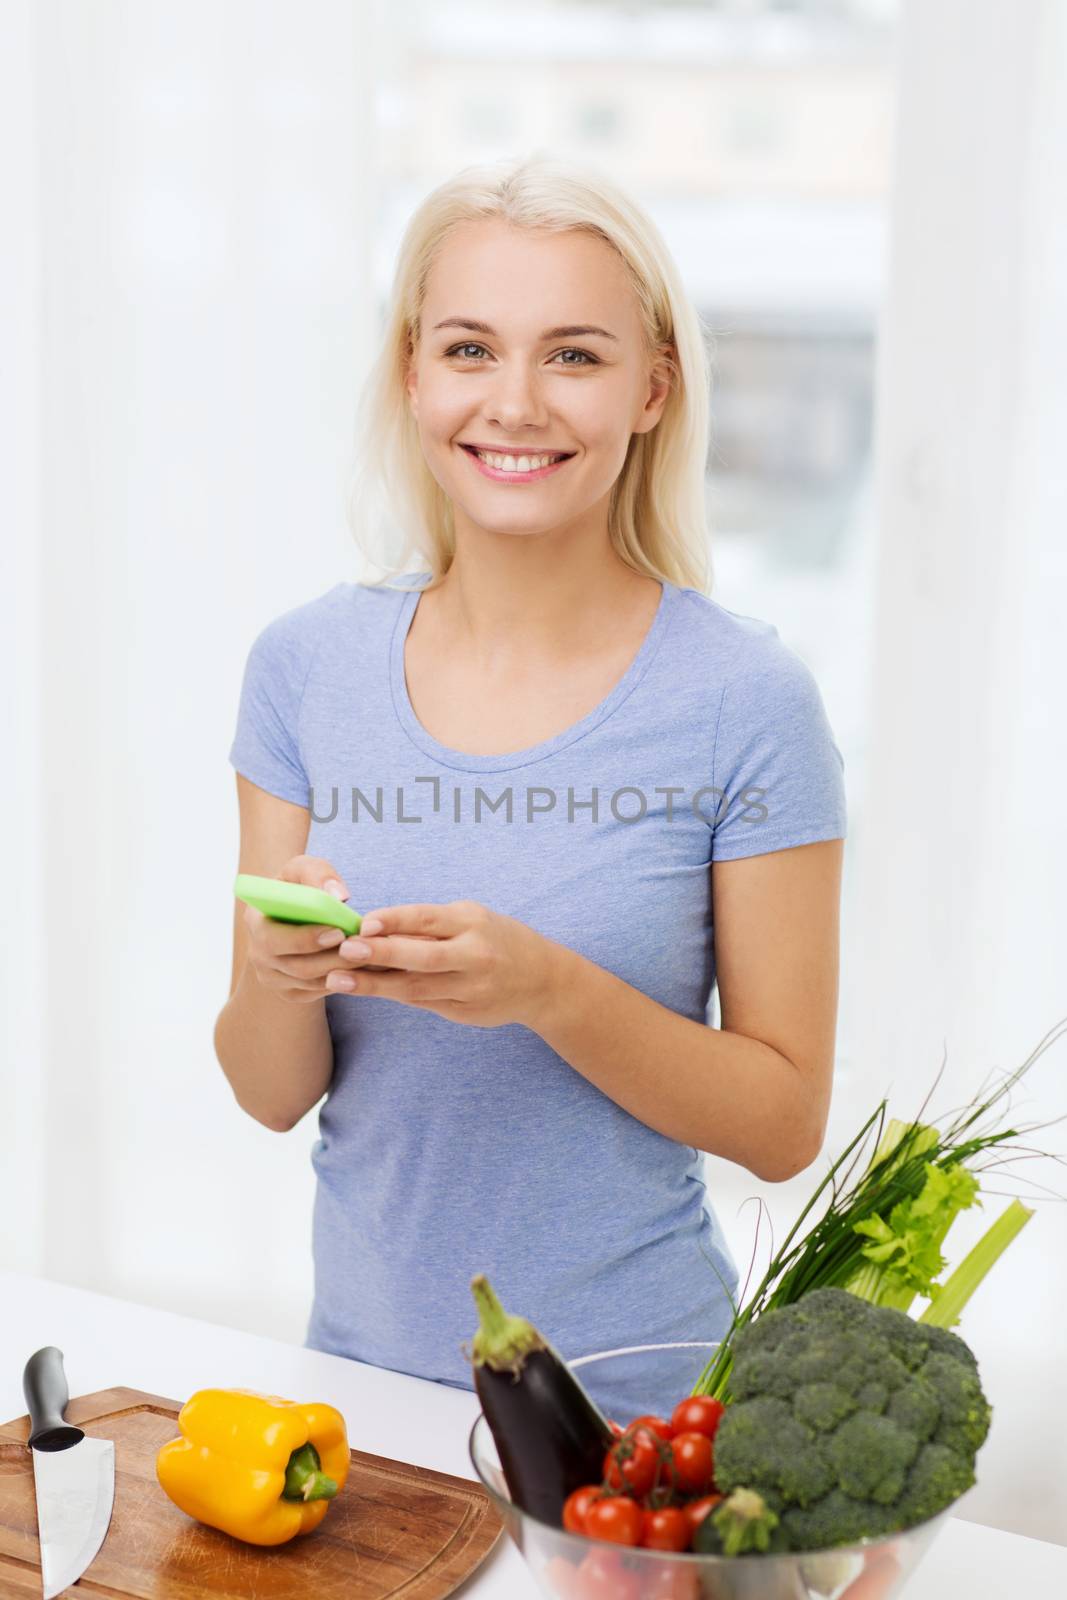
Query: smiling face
[526,382]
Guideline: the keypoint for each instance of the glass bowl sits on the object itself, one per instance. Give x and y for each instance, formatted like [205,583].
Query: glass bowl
[652,1379]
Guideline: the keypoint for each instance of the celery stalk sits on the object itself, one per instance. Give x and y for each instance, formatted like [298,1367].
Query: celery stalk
[944,1310]
[905,1256]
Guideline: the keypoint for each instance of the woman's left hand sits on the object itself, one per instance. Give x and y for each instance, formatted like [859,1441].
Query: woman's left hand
[465,962]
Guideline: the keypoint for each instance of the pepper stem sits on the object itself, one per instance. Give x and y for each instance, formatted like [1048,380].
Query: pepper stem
[502,1341]
[304,1478]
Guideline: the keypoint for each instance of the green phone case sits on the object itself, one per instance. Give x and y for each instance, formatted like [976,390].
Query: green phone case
[295,902]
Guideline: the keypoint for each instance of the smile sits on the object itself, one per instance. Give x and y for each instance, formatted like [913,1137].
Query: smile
[529,475]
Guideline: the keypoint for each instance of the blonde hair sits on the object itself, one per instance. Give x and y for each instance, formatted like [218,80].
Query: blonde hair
[657,513]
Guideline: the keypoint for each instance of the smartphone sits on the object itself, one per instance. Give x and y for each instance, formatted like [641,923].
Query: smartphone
[295,902]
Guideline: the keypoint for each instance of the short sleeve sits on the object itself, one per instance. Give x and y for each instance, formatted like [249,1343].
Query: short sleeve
[778,775]
[266,745]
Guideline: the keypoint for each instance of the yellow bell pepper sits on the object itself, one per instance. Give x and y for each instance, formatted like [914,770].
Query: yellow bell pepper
[253,1465]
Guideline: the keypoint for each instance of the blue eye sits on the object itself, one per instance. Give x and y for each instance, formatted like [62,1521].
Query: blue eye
[588,360]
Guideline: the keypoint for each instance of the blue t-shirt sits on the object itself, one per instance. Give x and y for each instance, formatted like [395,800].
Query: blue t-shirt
[445,1150]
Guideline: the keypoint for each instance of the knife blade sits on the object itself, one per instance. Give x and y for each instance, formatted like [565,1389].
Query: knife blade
[74,1476]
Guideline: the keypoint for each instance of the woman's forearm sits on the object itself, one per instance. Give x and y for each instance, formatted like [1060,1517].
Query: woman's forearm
[277,1055]
[721,1092]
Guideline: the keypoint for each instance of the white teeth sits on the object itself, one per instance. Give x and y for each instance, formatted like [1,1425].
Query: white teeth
[516,463]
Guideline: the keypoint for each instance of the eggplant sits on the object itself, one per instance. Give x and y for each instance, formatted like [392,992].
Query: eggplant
[550,1435]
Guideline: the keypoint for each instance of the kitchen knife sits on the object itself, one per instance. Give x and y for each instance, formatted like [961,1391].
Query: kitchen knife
[74,1476]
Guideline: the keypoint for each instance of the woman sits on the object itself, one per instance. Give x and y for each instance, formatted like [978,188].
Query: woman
[567,791]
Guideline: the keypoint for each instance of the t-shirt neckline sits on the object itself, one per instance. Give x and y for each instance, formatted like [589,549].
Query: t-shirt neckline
[465,762]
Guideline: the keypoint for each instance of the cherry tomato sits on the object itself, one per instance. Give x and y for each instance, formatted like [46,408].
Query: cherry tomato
[576,1505]
[692,1462]
[699,1413]
[696,1510]
[658,1427]
[616,1519]
[671,1581]
[603,1577]
[664,1493]
[630,1465]
[880,1576]
[666,1529]
[565,1579]
[617,1429]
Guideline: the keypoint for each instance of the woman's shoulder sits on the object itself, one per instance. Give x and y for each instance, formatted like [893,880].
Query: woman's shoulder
[741,646]
[304,627]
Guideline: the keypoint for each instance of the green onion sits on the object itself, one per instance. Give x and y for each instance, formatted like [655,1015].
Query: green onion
[881,1232]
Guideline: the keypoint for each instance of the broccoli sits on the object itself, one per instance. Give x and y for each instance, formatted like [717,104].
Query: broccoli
[851,1420]
[744,1525]
[743,1522]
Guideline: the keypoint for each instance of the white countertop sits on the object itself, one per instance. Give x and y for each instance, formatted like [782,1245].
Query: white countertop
[108,1342]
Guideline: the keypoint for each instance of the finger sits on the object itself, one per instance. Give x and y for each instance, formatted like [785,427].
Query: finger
[306,938]
[402,951]
[432,921]
[281,979]
[284,983]
[411,988]
[317,873]
[291,938]
[315,968]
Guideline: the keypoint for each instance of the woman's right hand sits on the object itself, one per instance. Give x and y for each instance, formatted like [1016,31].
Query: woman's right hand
[292,959]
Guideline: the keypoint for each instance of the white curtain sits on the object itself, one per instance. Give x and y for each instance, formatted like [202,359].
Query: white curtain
[190,306]
[964,867]
[956,946]
[955,938]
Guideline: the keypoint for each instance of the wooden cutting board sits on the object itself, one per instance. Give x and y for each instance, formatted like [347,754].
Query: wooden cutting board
[394,1528]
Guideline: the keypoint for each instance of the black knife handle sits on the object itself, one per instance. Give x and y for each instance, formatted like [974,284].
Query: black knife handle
[44,1383]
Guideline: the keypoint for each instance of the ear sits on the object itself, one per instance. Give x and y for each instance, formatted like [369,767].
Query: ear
[411,380]
[660,382]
